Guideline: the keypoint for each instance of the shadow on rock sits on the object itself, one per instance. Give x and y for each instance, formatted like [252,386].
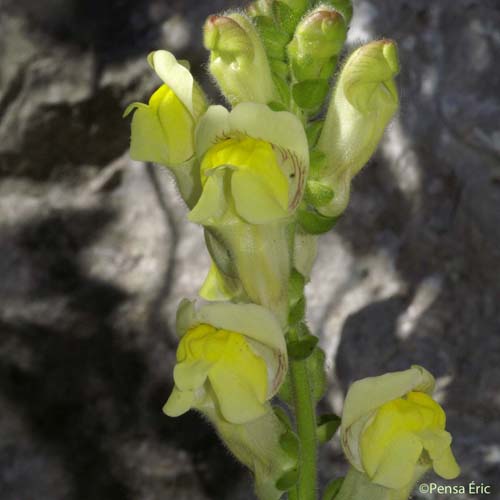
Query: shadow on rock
[86,387]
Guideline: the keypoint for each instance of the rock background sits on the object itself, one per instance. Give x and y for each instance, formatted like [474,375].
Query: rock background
[95,251]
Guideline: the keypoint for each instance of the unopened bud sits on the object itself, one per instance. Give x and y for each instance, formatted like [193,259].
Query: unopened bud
[316,44]
[343,6]
[238,59]
[363,102]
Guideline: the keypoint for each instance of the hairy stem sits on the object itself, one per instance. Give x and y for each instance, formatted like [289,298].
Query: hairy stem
[305,416]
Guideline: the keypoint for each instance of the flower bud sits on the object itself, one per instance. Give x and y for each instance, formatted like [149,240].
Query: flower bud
[269,8]
[298,6]
[393,431]
[317,41]
[260,8]
[363,102]
[238,60]
[342,6]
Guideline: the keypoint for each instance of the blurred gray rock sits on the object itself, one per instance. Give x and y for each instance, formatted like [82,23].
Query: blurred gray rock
[96,252]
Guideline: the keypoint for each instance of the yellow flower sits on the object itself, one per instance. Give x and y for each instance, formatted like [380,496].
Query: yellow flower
[393,431]
[163,129]
[254,163]
[231,359]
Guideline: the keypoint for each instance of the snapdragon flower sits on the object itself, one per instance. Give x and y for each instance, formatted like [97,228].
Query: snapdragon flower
[254,164]
[393,431]
[163,129]
[231,359]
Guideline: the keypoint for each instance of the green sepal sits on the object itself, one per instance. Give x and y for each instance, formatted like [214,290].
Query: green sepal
[317,193]
[317,162]
[289,442]
[283,417]
[312,69]
[297,312]
[286,18]
[342,6]
[259,8]
[274,40]
[295,287]
[313,130]
[303,331]
[303,348]
[280,68]
[333,488]
[277,106]
[316,368]
[326,427]
[298,6]
[282,88]
[315,223]
[288,479]
[310,94]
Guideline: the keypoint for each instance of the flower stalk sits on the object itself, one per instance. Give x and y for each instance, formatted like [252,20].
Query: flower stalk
[265,177]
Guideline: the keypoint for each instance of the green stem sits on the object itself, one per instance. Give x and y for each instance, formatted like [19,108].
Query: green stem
[305,416]
[293,494]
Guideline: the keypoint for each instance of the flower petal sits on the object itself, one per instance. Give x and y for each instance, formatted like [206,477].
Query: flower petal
[251,320]
[212,203]
[178,403]
[437,443]
[191,375]
[148,140]
[213,126]
[237,398]
[280,128]
[397,466]
[366,395]
[253,200]
[175,75]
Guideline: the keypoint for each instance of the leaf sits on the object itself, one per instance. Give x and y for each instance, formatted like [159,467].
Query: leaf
[295,287]
[274,40]
[310,94]
[289,442]
[317,162]
[287,480]
[297,312]
[277,106]
[283,416]
[315,223]
[327,427]
[282,88]
[313,130]
[286,18]
[333,488]
[316,368]
[303,348]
